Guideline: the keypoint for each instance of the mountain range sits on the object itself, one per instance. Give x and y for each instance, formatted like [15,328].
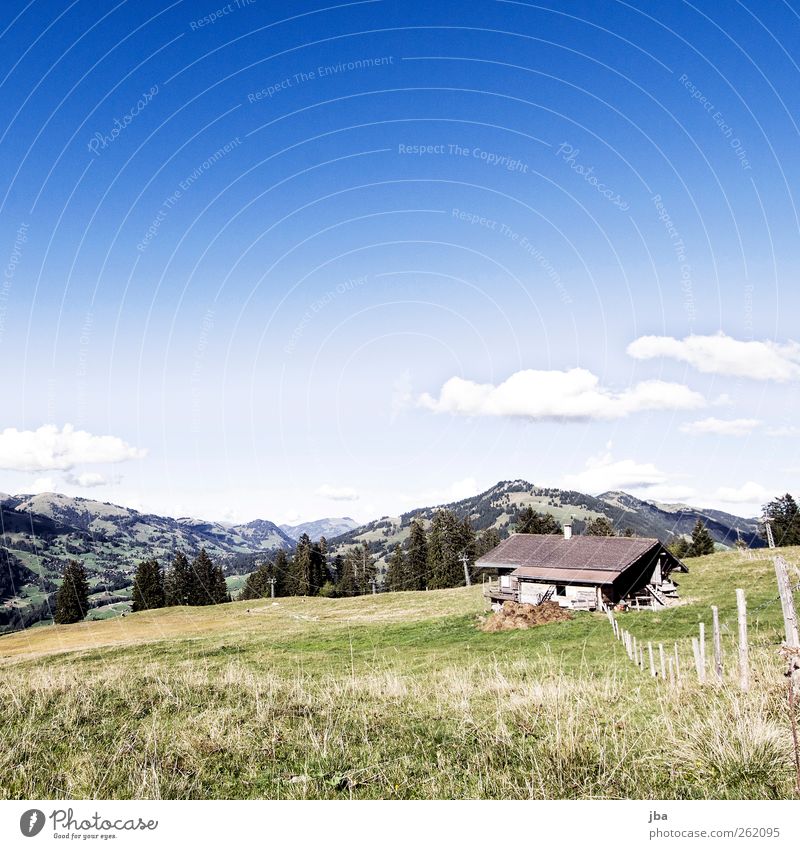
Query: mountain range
[498,506]
[327,528]
[40,533]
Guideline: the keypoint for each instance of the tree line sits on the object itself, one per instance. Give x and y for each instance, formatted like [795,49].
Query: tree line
[196,583]
[428,558]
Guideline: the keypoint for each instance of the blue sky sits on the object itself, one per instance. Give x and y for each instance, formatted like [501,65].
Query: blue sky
[306,260]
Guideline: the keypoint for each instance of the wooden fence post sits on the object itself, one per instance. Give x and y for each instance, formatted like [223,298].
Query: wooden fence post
[717,642]
[671,671]
[789,619]
[677,664]
[635,652]
[661,658]
[702,643]
[652,662]
[698,662]
[641,656]
[744,664]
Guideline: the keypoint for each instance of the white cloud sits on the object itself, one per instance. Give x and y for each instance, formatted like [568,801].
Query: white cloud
[603,473]
[86,479]
[574,394]
[722,354]
[43,485]
[50,448]
[749,493]
[337,493]
[723,427]
[670,493]
[783,430]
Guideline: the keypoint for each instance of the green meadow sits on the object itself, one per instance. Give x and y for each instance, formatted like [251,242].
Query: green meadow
[398,695]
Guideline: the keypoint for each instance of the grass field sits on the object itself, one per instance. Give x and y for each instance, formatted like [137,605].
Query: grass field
[394,696]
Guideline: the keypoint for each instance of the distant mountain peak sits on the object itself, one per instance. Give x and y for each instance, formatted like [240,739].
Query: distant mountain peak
[328,528]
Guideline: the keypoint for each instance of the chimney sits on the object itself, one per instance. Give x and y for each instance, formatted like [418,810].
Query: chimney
[568,528]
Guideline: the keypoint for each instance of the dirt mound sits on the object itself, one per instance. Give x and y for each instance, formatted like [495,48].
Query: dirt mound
[514,615]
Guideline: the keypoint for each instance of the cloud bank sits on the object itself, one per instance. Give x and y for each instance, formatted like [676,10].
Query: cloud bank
[575,394]
[603,473]
[49,448]
[722,354]
[722,427]
[337,493]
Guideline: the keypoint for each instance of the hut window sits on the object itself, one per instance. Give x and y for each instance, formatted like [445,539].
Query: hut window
[561,589]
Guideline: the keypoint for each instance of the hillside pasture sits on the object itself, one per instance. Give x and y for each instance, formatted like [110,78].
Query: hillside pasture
[394,696]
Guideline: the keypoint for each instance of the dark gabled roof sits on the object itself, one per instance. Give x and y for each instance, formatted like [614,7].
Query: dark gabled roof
[599,559]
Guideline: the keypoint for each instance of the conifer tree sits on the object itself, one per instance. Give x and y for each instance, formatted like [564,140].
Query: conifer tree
[366,571]
[319,571]
[72,598]
[148,586]
[531,522]
[347,584]
[301,570]
[396,575]
[702,541]
[179,582]
[259,583]
[488,540]
[417,556]
[782,514]
[445,550]
[280,571]
[336,569]
[680,547]
[208,585]
[600,527]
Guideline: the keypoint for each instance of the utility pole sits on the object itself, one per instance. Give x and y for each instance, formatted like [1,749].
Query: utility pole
[770,537]
[272,587]
[374,584]
[465,561]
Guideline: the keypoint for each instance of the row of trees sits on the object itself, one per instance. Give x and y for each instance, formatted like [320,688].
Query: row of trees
[195,583]
[701,543]
[431,558]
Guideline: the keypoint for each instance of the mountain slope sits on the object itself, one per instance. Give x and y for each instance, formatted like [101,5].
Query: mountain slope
[498,507]
[328,528]
[39,533]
